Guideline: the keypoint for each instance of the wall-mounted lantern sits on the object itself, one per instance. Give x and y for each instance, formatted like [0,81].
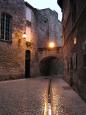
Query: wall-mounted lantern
[28,42]
[75,41]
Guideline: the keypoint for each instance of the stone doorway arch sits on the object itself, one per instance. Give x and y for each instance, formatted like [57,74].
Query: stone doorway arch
[50,65]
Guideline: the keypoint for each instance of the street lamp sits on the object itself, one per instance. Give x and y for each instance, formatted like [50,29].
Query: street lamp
[51,45]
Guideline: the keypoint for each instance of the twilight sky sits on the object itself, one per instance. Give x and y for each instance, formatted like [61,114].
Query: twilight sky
[41,4]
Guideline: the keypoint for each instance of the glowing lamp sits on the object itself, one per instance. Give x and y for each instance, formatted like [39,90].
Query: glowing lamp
[24,35]
[75,41]
[28,42]
[51,45]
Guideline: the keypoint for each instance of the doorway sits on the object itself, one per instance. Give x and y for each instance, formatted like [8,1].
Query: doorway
[27,63]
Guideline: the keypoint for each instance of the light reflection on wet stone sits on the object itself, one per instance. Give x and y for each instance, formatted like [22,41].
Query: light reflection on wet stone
[30,97]
[23,97]
[65,101]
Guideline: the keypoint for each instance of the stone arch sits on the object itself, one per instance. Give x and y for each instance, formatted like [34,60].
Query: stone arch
[50,65]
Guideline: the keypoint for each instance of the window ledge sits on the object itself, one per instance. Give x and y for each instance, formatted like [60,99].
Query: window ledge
[7,41]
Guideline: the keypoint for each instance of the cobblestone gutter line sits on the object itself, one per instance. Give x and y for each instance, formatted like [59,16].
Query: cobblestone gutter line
[49,98]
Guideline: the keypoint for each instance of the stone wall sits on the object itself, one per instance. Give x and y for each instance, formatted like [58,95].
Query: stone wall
[12,52]
[54,26]
[42,29]
[74,27]
[12,63]
[34,47]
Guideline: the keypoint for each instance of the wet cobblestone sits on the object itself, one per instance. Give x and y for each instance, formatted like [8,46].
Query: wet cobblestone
[30,97]
[23,97]
[65,101]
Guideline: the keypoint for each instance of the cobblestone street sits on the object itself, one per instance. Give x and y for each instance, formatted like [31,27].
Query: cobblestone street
[30,97]
[65,101]
[23,97]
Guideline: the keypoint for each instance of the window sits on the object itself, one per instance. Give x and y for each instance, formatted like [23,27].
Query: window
[75,61]
[71,63]
[84,60]
[6,32]
[84,56]
[73,9]
[68,66]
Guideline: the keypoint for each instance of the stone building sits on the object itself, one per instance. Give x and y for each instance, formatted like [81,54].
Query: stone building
[16,18]
[19,20]
[74,36]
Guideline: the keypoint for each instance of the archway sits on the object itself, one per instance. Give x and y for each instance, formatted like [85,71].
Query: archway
[49,66]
